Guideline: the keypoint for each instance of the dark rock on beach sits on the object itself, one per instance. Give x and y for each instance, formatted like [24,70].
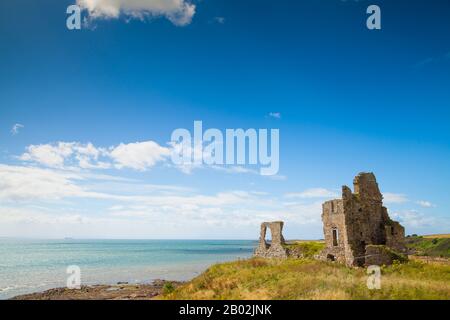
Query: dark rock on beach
[119,291]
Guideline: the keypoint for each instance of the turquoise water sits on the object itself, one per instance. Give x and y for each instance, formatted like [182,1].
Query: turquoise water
[36,265]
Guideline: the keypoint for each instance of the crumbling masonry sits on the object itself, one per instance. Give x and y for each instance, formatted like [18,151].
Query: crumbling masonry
[358,225]
[275,249]
[357,228]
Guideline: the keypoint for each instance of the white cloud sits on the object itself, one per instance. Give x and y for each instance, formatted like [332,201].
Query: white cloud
[179,12]
[70,155]
[425,204]
[33,215]
[47,201]
[15,128]
[231,209]
[49,155]
[139,155]
[45,197]
[278,177]
[313,193]
[219,20]
[84,204]
[27,184]
[275,115]
[234,169]
[416,220]
[199,152]
[390,198]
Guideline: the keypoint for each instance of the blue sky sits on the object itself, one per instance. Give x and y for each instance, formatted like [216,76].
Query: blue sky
[349,99]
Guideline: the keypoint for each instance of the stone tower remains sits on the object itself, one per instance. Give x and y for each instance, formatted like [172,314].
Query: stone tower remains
[275,249]
[357,226]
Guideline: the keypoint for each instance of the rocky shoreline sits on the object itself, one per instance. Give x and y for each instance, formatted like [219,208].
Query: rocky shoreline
[119,291]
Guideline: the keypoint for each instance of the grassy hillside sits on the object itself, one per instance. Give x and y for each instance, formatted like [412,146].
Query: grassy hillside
[439,236]
[309,279]
[433,246]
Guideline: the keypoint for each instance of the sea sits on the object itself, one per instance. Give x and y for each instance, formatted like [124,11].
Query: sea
[28,266]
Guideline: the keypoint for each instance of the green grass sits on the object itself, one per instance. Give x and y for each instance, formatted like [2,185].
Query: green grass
[258,278]
[429,246]
[307,248]
[168,288]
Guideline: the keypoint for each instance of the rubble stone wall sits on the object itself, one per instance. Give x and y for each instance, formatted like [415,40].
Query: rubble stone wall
[360,220]
[275,249]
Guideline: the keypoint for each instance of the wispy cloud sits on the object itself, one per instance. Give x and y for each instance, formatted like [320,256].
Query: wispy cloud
[179,12]
[432,60]
[219,20]
[425,204]
[313,193]
[28,184]
[43,189]
[417,220]
[390,198]
[55,199]
[15,128]
[138,156]
[276,115]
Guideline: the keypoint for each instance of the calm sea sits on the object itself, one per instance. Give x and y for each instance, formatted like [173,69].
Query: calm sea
[36,265]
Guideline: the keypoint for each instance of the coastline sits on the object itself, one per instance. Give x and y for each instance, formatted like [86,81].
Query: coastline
[119,291]
[344,285]
[34,266]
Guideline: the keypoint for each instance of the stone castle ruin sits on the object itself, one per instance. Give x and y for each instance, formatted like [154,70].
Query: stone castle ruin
[357,228]
[275,249]
[358,225]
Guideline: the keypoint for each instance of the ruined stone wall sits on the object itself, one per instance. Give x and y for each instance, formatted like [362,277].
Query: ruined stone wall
[377,255]
[395,236]
[356,228]
[334,221]
[361,220]
[275,249]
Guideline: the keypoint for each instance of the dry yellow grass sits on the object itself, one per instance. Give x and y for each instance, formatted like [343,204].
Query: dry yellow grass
[310,279]
[437,236]
[434,260]
[301,241]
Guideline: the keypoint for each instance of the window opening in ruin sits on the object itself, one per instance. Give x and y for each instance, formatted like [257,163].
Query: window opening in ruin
[335,237]
[270,238]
